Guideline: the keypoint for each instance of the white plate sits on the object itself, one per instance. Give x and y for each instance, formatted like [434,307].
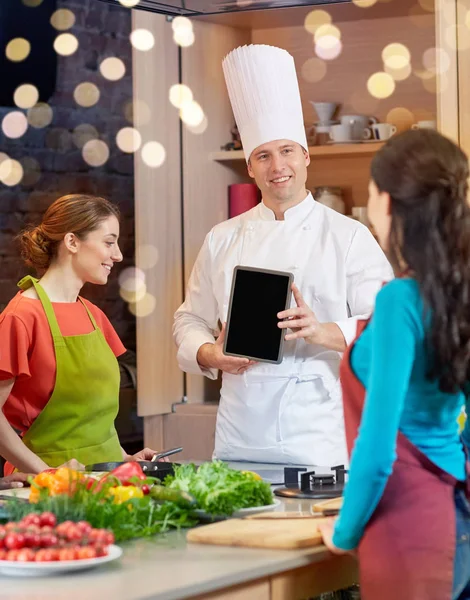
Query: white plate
[42,569]
[238,514]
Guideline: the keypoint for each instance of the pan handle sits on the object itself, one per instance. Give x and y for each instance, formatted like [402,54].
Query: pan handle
[164,453]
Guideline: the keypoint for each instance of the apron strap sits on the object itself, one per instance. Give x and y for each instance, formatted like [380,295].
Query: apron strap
[26,283]
[92,318]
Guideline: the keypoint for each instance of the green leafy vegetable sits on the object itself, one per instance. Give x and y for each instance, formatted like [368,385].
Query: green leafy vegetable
[218,489]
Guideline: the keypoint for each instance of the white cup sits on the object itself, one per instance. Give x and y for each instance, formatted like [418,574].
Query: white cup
[424,125]
[360,124]
[341,133]
[383,131]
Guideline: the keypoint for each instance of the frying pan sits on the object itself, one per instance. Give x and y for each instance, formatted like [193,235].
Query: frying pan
[152,469]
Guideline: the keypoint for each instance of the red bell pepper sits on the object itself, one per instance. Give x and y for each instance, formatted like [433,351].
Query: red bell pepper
[128,472]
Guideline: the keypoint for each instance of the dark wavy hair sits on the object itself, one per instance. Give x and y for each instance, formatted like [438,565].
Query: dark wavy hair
[426,175]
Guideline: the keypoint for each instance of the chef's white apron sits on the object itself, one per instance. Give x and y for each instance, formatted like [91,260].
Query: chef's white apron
[292,412]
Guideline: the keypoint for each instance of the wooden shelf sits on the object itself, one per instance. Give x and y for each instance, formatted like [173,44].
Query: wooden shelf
[339,150]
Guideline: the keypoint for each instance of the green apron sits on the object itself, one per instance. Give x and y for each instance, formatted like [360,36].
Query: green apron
[78,420]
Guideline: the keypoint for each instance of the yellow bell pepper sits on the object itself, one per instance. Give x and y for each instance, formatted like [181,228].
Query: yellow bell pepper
[57,481]
[123,493]
[253,475]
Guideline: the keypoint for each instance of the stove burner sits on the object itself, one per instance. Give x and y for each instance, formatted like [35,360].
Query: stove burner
[312,485]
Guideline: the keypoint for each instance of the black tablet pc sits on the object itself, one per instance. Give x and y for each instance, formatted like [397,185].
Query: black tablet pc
[257,296]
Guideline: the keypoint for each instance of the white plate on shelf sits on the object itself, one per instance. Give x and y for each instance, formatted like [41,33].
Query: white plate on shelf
[238,514]
[46,569]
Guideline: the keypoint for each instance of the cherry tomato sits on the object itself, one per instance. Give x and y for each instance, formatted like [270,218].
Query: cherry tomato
[67,554]
[86,552]
[25,555]
[145,490]
[3,554]
[45,555]
[84,527]
[101,550]
[11,527]
[31,519]
[47,519]
[48,540]
[12,554]
[101,536]
[109,538]
[14,541]
[63,527]
[73,533]
[32,539]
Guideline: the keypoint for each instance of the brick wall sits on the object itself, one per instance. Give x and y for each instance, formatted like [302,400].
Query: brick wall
[102,30]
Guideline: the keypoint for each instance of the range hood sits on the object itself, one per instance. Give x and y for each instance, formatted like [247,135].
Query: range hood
[193,8]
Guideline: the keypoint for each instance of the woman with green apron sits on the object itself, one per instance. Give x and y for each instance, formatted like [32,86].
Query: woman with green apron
[59,376]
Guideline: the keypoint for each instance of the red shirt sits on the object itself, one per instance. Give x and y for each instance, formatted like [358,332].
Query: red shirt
[27,351]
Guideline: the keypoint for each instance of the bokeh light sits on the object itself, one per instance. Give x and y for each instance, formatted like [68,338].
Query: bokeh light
[436,60]
[138,113]
[147,256]
[184,37]
[128,139]
[129,3]
[313,70]
[331,50]
[95,153]
[180,94]
[31,171]
[65,44]
[142,39]
[62,19]
[144,307]
[26,95]
[198,129]
[131,279]
[396,56]
[381,85]
[153,154]
[401,117]
[40,116]
[192,114]
[315,19]
[11,172]
[399,74]
[17,49]
[86,94]
[31,3]
[112,68]
[14,124]
[364,3]
[83,133]
[181,24]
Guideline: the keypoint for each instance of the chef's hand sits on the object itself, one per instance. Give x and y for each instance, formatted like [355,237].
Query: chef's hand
[211,356]
[326,529]
[301,320]
[15,480]
[145,454]
[73,464]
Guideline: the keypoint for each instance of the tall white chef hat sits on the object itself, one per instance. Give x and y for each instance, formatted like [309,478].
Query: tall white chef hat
[264,93]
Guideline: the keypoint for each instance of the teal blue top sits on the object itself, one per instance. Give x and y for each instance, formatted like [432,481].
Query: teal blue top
[390,360]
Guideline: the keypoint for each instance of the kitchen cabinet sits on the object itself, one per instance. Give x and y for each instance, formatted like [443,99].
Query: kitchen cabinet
[178,203]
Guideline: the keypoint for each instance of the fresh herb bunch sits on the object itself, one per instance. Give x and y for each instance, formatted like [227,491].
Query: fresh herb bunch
[218,489]
[138,517]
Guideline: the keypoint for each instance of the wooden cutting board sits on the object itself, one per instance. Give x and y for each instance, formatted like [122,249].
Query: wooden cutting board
[252,533]
[331,504]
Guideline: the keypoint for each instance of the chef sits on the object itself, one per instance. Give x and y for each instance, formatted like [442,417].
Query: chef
[292,412]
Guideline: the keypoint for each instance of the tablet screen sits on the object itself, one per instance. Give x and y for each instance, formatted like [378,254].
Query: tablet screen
[257,296]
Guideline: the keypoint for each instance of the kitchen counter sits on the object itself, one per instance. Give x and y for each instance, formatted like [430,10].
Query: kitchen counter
[167,568]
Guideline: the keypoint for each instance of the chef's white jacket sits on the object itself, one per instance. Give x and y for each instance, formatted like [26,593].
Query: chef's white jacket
[292,412]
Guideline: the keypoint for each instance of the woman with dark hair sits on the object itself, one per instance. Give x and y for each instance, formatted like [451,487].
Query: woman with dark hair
[59,376]
[405,381]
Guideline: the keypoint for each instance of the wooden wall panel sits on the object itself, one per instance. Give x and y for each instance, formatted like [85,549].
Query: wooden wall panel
[158,218]
[345,81]
[206,182]
[463,8]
